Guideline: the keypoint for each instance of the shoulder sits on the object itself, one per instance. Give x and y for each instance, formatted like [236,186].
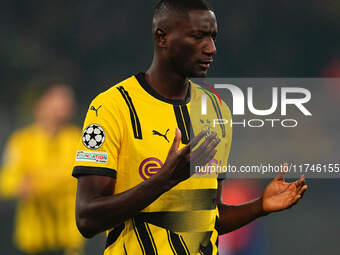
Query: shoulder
[71,130]
[21,136]
[114,96]
[213,97]
[110,105]
[24,131]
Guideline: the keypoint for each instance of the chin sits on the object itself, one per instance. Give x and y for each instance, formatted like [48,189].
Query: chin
[202,74]
[199,74]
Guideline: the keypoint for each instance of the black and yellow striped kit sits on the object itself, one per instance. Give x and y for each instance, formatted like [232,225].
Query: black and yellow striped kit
[139,127]
[45,220]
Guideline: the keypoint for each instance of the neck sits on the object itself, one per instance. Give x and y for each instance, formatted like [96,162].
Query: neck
[165,81]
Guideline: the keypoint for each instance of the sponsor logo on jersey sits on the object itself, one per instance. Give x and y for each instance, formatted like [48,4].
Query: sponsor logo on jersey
[93,136]
[149,167]
[91,156]
[95,109]
[154,132]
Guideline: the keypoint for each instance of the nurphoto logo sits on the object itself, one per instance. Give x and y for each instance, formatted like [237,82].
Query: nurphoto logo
[289,96]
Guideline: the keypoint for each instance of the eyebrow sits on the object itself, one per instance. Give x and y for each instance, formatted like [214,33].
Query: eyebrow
[204,32]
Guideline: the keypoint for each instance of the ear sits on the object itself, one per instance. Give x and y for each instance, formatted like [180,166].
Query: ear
[160,37]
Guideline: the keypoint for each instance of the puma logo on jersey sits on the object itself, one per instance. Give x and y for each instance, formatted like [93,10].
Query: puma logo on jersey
[94,109]
[154,132]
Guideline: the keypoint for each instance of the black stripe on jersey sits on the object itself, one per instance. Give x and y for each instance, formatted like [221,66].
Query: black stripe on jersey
[184,245]
[138,237]
[177,244]
[151,237]
[180,124]
[207,250]
[217,225]
[114,234]
[187,120]
[137,131]
[143,232]
[218,111]
[183,122]
[91,170]
[217,228]
[170,243]
[125,252]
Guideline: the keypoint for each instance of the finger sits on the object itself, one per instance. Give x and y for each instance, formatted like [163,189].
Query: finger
[296,199]
[300,182]
[197,138]
[211,156]
[211,147]
[177,140]
[302,190]
[194,141]
[201,151]
[203,147]
[299,195]
[213,144]
[281,175]
[206,159]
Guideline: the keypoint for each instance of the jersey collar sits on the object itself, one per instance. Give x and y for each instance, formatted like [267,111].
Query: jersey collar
[146,86]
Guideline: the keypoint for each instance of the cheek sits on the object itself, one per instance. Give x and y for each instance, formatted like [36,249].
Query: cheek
[182,50]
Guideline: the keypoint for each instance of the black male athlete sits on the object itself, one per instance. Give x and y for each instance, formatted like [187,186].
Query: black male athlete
[136,185]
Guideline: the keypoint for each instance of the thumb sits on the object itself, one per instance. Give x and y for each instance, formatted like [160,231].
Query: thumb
[177,140]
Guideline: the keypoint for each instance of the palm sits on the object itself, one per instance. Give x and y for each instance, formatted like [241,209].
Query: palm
[280,195]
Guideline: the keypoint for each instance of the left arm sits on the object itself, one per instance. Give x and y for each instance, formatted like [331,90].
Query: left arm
[277,196]
[233,217]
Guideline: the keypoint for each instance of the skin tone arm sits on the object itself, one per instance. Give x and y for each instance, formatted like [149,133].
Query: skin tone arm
[277,196]
[97,209]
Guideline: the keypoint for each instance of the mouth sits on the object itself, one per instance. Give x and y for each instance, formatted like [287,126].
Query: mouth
[206,64]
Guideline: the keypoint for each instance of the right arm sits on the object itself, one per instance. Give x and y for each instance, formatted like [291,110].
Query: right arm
[97,209]
[13,181]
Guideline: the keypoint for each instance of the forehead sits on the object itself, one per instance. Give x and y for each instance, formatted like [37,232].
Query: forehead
[199,20]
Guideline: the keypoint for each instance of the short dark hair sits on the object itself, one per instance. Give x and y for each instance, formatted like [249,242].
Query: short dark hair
[180,6]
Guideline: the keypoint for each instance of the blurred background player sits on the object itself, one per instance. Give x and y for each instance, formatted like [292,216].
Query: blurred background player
[36,171]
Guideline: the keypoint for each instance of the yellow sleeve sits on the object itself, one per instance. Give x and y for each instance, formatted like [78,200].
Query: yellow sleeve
[11,174]
[229,131]
[226,141]
[97,152]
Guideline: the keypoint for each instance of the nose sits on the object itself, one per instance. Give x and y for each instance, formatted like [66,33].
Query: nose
[209,48]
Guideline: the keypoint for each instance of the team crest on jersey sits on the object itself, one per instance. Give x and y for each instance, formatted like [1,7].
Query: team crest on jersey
[93,136]
[206,125]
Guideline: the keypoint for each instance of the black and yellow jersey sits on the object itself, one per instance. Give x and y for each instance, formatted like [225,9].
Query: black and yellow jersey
[45,220]
[127,134]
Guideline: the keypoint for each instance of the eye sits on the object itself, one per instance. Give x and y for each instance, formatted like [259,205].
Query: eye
[198,37]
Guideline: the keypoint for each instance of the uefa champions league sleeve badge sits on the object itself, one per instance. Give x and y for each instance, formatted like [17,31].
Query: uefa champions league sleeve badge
[93,136]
